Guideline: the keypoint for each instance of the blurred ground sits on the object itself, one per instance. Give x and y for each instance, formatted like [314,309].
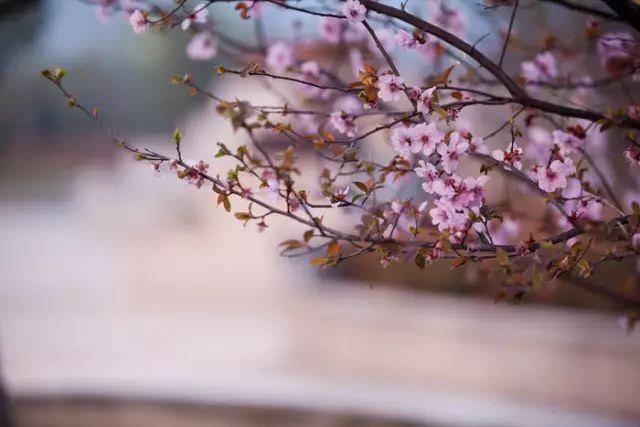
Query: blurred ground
[137,287]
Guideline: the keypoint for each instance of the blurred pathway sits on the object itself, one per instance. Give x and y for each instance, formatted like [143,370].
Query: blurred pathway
[138,287]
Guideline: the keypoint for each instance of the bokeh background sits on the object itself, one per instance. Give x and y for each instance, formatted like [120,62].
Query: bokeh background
[128,299]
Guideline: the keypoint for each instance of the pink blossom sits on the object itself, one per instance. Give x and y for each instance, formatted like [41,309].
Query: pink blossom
[102,13]
[541,69]
[354,11]
[405,40]
[511,156]
[451,152]
[445,216]
[632,153]
[424,101]
[199,15]
[425,137]
[349,104]
[635,241]
[449,19]
[503,232]
[155,168]
[330,30]
[618,53]
[447,185]
[634,112]
[476,145]
[339,196]
[554,176]
[344,123]
[203,46]
[279,57]
[195,174]
[469,193]
[255,8]
[390,87]
[310,72]
[573,189]
[566,141]
[414,93]
[539,144]
[402,141]
[429,173]
[355,33]
[588,208]
[138,21]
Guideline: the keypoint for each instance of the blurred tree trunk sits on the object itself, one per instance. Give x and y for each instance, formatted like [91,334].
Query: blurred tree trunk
[5,412]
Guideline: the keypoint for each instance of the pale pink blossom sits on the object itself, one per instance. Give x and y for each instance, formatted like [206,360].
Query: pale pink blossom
[424,101]
[354,11]
[452,152]
[448,18]
[588,208]
[404,39]
[330,29]
[573,189]
[279,57]
[444,216]
[539,143]
[199,15]
[195,174]
[542,68]
[555,176]
[402,141]
[504,232]
[512,156]
[390,87]
[425,138]
[255,9]
[138,21]
[618,53]
[344,123]
[339,195]
[355,33]
[310,72]
[476,145]
[469,193]
[566,141]
[349,104]
[632,154]
[635,241]
[203,46]
[447,185]
[633,111]
[429,173]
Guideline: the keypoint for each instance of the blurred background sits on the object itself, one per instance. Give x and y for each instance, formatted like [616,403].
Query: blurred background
[128,299]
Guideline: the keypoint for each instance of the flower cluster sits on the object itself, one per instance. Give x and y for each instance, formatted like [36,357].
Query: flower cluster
[548,126]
